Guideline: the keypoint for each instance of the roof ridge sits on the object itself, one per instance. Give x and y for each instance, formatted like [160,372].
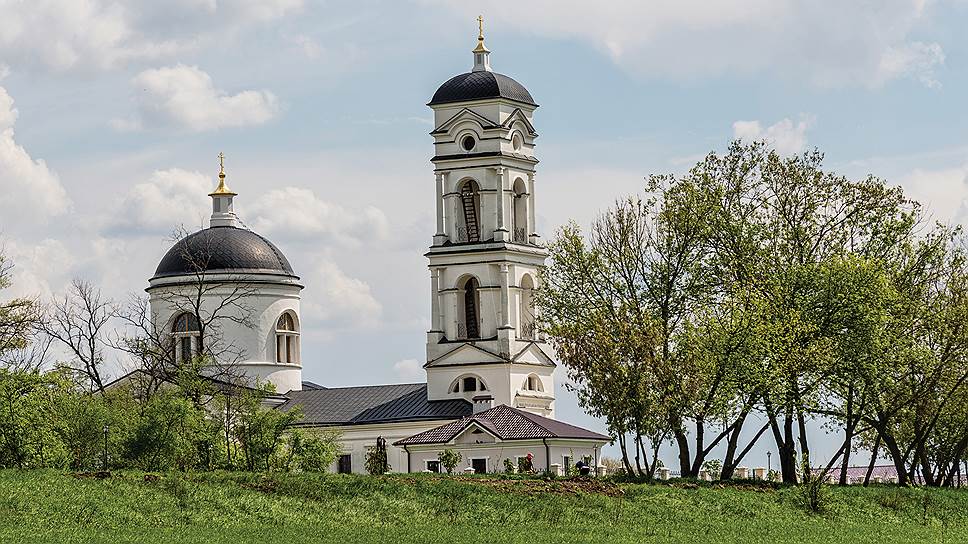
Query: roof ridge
[337,388]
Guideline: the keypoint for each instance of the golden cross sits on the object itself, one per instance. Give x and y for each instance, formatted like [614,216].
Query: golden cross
[221,162]
[480,26]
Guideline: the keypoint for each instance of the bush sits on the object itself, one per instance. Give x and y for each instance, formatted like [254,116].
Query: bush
[813,489]
[172,433]
[508,466]
[376,458]
[449,459]
[525,465]
[313,452]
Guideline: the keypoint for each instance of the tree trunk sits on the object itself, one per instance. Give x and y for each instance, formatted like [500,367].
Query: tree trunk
[849,436]
[682,441]
[870,467]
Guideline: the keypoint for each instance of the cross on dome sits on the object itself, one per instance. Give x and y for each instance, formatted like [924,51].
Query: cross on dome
[223,214]
[481,53]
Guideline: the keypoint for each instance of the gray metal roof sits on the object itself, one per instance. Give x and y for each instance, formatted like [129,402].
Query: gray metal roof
[480,86]
[223,248]
[372,404]
[506,423]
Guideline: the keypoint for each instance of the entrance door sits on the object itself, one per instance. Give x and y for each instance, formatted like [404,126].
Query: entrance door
[345,464]
[480,466]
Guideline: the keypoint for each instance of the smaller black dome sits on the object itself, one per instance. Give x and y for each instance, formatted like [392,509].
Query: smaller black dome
[479,86]
[223,248]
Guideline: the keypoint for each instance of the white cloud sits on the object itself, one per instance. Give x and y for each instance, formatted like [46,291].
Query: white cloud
[827,43]
[29,192]
[307,46]
[410,370]
[786,136]
[104,34]
[297,213]
[168,199]
[916,59]
[943,192]
[337,300]
[185,97]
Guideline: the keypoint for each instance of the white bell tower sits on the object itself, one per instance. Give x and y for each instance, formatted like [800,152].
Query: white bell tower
[486,253]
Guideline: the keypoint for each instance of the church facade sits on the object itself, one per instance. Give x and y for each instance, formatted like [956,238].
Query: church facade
[490,389]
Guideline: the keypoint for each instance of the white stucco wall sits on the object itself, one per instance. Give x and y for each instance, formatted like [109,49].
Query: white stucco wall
[496,452]
[357,438]
[271,296]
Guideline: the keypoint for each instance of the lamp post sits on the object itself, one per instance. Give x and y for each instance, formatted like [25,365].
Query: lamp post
[768,465]
[105,458]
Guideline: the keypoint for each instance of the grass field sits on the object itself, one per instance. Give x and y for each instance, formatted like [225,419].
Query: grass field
[50,506]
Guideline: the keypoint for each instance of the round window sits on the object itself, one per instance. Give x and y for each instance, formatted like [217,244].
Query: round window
[468,142]
[516,141]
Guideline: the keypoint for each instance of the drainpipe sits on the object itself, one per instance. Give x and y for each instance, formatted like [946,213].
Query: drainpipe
[406,448]
[547,455]
[596,461]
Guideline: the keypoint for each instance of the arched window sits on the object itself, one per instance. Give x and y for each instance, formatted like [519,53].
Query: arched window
[187,336]
[533,383]
[287,339]
[520,212]
[468,325]
[526,321]
[470,206]
[468,384]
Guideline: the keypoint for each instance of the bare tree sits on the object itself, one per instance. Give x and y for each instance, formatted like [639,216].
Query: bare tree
[212,298]
[79,322]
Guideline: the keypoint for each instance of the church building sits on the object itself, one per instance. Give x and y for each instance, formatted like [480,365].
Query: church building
[490,387]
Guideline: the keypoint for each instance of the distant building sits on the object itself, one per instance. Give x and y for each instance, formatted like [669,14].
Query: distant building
[490,390]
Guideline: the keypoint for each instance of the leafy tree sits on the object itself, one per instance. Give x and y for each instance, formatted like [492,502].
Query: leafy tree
[713,466]
[17,317]
[260,431]
[313,452]
[449,459]
[26,437]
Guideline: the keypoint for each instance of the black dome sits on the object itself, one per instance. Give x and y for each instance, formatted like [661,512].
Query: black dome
[481,85]
[223,248]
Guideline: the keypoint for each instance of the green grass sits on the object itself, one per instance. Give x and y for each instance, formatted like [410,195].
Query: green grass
[50,506]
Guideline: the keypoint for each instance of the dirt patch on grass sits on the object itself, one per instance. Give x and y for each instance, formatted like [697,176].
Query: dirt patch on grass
[571,486]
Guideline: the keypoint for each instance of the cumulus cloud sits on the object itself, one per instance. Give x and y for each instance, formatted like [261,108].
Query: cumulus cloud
[104,34]
[186,97]
[786,136]
[944,192]
[298,214]
[29,191]
[336,300]
[827,43]
[168,198]
[410,370]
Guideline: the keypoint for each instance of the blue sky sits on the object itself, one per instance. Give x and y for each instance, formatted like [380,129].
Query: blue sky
[112,114]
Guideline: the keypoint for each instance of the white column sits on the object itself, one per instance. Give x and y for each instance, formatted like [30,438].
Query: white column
[435,321]
[501,233]
[532,226]
[505,318]
[439,236]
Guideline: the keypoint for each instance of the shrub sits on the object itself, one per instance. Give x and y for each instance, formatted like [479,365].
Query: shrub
[525,465]
[376,458]
[508,466]
[449,459]
[813,489]
[313,453]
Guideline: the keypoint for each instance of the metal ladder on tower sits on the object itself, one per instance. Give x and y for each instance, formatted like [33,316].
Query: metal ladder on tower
[470,214]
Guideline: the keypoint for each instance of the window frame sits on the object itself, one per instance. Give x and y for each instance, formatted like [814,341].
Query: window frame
[287,348]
